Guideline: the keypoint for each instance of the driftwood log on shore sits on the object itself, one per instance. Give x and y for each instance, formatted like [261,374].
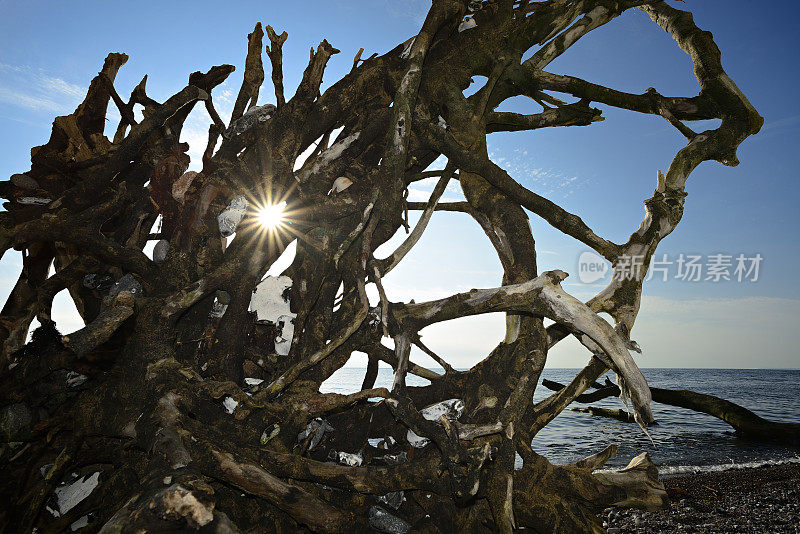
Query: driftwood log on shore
[743,421]
[620,414]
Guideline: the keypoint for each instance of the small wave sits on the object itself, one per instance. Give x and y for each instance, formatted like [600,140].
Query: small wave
[674,470]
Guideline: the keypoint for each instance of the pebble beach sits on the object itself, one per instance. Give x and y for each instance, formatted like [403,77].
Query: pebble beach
[754,500]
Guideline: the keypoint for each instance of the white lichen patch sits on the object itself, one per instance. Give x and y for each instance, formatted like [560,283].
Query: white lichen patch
[383,521]
[331,153]
[316,428]
[408,78]
[231,216]
[34,201]
[480,296]
[181,185]
[184,503]
[218,310]
[340,184]
[467,24]
[268,299]
[416,441]
[350,459]
[252,381]
[433,310]
[230,404]
[407,48]
[70,495]
[451,408]
[251,117]
[399,133]
[79,523]
[75,379]
[160,251]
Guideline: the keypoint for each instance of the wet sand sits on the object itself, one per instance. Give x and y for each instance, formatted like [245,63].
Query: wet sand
[754,500]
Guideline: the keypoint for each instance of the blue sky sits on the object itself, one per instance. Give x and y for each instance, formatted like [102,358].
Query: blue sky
[49,51]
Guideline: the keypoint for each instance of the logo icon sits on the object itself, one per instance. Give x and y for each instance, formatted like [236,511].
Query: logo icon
[591,267]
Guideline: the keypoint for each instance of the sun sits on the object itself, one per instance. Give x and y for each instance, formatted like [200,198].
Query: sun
[271,217]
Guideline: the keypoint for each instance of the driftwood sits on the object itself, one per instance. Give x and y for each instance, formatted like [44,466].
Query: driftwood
[618,414]
[743,421]
[176,408]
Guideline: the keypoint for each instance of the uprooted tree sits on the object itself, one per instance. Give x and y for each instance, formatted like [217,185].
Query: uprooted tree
[146,412]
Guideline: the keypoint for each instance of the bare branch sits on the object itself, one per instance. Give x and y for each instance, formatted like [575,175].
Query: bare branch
[391,261]
[402,348]
[559,218]
[308,509]
[540,296]
[593,19]
[103,327]
[253,74]
[275,53]
[357,59]
[443,206]
[547,410]
[385,354]
[396,153]
[438,359]
[578,114]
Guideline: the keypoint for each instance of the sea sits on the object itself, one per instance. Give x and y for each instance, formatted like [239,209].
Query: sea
[683,441]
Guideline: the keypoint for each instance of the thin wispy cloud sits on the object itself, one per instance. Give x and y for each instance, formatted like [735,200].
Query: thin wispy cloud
[36,90]
[421,190]
[784,126]
[540,180]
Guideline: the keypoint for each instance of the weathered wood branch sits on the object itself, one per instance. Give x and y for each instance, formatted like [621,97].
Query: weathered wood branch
[309,510]
[559,218]
[275,53]
[390,262]
[253,74]
[618,414]
[578,114]
[541,296]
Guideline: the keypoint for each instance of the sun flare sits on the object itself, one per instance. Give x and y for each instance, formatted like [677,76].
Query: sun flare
[271,217]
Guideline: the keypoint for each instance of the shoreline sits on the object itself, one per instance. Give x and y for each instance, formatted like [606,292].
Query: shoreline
[745,500]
